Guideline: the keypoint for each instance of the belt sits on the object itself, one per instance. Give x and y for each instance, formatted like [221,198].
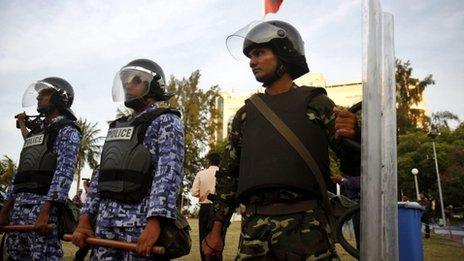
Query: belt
[275,209]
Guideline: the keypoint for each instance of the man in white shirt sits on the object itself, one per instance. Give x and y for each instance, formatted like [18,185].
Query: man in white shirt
[203,185]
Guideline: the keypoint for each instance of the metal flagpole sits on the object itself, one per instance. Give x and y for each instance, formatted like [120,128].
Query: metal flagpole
[379,210]
[388,129]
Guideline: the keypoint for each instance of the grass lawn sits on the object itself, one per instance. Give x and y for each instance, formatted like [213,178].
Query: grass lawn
[440,247]
[436,248]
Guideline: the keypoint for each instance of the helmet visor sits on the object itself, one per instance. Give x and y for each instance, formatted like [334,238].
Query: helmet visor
[234,42]
[33,91]
[257,32]
[131,82]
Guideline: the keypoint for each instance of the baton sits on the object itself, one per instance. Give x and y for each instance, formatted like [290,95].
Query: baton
[95,241]
[23,228]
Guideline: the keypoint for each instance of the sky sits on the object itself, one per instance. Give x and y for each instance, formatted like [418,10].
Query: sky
[87,42]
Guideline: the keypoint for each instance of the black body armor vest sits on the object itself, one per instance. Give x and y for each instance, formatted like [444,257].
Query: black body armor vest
[126,165]
[267,160]
[37,162]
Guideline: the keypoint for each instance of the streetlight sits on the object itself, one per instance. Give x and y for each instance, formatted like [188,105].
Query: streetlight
[414,172]
[433,134]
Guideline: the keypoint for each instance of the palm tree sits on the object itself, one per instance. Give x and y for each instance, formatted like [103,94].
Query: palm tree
[89,149]
[7,170]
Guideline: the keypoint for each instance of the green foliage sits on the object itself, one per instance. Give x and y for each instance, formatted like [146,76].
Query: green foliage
[334,163]
[200,117]
[415,150]
[409,92]
[440,120]
[89,149]
[7,170]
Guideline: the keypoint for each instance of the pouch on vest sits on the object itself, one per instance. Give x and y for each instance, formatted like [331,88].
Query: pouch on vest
[175,236]
[68,217]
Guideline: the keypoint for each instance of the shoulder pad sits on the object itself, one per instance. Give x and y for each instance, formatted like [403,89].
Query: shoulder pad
[318,90]
[312,92]
[55,127]
[112,123]
[148,117]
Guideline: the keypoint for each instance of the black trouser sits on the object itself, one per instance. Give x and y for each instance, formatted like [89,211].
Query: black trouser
[205,219]
[426,220]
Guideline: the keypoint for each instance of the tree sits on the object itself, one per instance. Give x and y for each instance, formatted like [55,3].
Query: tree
[440,119]
[200,117]
[7,170]
[415,151]
[453,178]
[409,92]
[89,149]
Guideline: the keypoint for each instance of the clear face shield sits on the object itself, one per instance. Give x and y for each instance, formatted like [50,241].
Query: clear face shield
[132,82]
[34,90]
[234,42]
[257,32]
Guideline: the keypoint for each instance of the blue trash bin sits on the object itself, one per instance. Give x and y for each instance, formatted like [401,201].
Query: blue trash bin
[410,231]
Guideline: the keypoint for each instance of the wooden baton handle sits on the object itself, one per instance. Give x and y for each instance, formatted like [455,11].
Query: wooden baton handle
[22,228]
[95,241]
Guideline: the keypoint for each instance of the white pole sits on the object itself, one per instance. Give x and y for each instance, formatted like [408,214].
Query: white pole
[379,220]
[417,188]
[439,185]
[370,141]
[389,193]
[414,172]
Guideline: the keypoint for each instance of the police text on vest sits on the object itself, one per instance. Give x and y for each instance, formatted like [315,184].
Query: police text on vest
[34,140]
[124,133]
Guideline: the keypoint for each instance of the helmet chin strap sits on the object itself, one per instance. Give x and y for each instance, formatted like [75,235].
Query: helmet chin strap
[279,71]
[137,104]
[47,110]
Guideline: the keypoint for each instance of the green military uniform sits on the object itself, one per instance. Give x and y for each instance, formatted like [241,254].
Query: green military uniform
[293,236]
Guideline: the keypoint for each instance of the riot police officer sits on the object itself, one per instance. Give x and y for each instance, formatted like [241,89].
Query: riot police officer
[45,171]
[284,217]
[140,173]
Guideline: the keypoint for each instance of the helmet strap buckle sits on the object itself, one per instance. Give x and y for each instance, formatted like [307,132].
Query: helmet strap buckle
[280,70]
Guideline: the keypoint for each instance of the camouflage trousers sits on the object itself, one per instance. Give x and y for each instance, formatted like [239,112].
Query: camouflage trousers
[297,236]
[32,245]
[127,234]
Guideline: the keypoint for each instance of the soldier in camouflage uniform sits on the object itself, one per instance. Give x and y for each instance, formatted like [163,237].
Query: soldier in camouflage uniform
[45,172]
[284,217]
[140,173]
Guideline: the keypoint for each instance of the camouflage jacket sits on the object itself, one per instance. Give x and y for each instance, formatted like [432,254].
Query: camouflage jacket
[320,110]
